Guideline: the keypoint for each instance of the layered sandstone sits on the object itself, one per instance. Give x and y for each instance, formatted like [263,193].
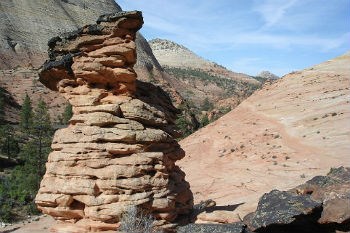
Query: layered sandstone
[119,149]
[281,136]
[25,28]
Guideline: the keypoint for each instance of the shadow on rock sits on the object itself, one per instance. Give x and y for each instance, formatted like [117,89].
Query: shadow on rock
[224,207]
[320,205]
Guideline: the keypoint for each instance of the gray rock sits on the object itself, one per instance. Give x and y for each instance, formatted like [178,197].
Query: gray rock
[27,25]
[339,175]
[212,228]
[281,208]
[320,205]
[333,191]
[267,75]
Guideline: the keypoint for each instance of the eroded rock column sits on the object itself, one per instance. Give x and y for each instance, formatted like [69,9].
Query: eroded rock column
[119,149]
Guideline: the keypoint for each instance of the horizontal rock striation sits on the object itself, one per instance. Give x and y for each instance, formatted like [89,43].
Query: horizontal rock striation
[119,148]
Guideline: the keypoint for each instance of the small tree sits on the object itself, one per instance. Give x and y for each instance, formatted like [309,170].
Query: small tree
[2,107]
[9,144]
[205,121]
[207,105]
[26,115]
[6,202]
[41,133]
[67,114]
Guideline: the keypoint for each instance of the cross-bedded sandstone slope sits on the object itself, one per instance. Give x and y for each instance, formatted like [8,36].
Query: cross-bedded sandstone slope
[282,135]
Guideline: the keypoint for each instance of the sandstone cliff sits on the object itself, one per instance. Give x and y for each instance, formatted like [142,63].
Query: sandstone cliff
[119,149]
[200,81]
[28,25]
[282,135]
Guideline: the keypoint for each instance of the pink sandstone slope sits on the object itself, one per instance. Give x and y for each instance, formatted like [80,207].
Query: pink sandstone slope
[281,136]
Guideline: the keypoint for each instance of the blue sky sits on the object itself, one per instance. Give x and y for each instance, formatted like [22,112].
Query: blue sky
[249,36]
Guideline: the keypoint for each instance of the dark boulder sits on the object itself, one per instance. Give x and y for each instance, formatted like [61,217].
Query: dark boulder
[280,208]
[333,191]
[320,205]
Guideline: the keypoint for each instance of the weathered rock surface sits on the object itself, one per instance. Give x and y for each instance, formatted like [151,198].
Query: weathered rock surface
[28,25]
[319,205]
[281,208]
[333,191]
[119,149]
[281,136]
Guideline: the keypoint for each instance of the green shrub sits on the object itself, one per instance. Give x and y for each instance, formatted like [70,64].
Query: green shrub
[205,121]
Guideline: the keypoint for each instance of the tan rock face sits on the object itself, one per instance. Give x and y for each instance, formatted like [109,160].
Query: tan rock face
[119,149]
[291,130]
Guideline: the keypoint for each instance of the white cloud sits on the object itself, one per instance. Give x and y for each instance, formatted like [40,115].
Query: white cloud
[258,38]
[286,41]
[162,24]
[273,10]
[200,29]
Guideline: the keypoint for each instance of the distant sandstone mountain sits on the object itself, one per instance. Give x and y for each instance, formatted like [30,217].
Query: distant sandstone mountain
[200,81]
[284,134]
[172,54]
[267,75]
[27,25]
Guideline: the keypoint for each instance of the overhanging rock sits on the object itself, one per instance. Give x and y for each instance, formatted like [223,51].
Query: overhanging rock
[119,148]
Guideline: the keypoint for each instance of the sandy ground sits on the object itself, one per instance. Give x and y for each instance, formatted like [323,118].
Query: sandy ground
[41,226]
[283,135]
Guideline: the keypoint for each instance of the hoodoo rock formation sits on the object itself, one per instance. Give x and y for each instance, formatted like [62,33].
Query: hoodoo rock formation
[119,148]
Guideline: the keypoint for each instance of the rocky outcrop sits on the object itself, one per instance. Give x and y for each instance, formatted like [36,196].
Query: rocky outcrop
[267,75]
[119,149]
[322,204]
[28,25]
[281,208]
[333,191]
[291,130]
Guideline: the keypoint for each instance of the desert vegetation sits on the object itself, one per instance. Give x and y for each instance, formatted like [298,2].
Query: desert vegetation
[137,221]
[230,86]
[24,149]
[207,109]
